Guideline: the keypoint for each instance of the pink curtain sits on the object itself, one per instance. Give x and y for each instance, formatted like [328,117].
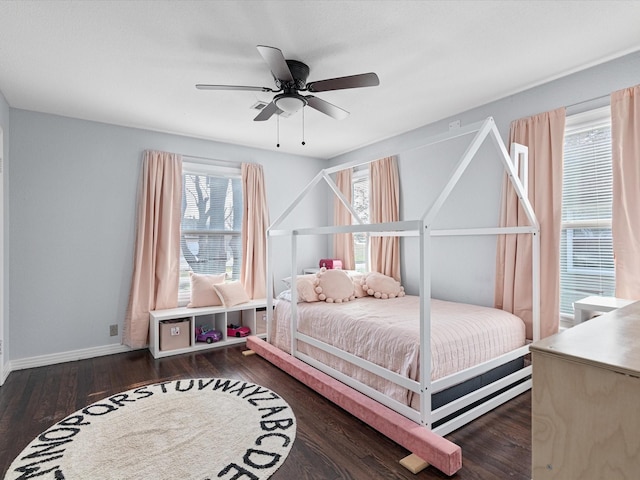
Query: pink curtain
[255,221]
[625,143]
[154,284]
[384,206]
[544,135]
[343,242]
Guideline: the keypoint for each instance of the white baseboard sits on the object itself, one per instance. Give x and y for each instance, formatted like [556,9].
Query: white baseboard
[4,373]
[44,360]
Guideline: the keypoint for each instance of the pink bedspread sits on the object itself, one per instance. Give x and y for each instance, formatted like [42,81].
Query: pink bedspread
[387,333]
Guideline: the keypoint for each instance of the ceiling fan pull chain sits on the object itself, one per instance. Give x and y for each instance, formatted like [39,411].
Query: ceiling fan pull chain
[303,126]
[278,130]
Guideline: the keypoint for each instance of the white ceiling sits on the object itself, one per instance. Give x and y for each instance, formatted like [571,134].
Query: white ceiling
[135,63]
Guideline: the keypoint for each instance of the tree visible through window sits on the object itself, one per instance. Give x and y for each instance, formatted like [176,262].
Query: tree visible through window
[210,239]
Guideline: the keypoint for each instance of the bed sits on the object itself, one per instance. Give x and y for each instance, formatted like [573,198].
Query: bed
[387,333]
[436,364]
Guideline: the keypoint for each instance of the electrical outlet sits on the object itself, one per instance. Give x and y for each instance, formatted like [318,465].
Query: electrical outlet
[113,330]
[454,125]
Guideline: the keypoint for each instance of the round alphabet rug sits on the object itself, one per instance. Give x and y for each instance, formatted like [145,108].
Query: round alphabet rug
[206,428]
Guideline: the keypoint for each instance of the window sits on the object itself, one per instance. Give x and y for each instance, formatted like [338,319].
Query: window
[586,259]
[210,240]
[360,184]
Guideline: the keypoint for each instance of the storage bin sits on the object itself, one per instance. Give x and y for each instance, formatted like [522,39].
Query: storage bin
[330,263]
[175,334]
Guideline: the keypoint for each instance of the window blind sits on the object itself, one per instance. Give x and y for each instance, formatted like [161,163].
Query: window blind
[210,241]
[586,260]
[360,183]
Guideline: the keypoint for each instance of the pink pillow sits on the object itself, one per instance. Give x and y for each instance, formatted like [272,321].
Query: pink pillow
[231,293]
[306,287]
[202,292]
[358,291]
[334,286]
[381,286]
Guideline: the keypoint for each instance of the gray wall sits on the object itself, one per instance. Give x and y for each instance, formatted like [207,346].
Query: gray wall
[464,269]
[4,217]
[73,202]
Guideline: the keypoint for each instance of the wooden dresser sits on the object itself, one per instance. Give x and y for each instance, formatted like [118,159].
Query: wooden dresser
[586,400]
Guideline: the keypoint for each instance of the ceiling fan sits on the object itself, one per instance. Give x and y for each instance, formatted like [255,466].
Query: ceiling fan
[291,78]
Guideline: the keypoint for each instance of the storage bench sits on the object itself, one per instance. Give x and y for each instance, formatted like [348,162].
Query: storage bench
[250,314]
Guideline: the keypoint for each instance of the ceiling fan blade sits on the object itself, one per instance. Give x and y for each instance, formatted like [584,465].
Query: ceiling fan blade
[340,83]
[326,107]
[276,61]
[201,86]
[266,112]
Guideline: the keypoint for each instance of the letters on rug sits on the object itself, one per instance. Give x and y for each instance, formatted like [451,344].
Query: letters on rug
[205,428]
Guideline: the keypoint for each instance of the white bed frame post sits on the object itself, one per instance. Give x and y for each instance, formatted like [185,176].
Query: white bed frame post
[294,292]
[270,286]
[535,267]
[425,326]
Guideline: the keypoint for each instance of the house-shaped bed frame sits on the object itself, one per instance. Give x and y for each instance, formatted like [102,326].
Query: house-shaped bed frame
[406,426]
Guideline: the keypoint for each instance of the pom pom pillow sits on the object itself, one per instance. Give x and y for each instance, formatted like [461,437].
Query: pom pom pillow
[334,286]
[381,286]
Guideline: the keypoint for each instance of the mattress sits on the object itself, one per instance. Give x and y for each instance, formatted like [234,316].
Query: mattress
[387,333]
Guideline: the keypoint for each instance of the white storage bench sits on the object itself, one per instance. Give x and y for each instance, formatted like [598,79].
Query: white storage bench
[251,314]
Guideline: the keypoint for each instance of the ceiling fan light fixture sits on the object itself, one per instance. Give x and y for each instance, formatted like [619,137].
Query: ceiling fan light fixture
[289,102]
[290,78]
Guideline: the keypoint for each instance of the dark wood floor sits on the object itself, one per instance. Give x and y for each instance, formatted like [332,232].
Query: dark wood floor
[330,443]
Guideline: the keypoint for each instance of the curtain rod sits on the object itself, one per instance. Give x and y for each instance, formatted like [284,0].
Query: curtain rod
[216,160]
[591,100]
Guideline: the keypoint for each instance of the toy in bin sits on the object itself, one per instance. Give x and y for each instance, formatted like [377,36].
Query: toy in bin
[237,330]
[331,263]
[209,335]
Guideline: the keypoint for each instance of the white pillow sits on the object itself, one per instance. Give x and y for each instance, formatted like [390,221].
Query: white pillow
[287,280]
[231,293]
[202,292]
